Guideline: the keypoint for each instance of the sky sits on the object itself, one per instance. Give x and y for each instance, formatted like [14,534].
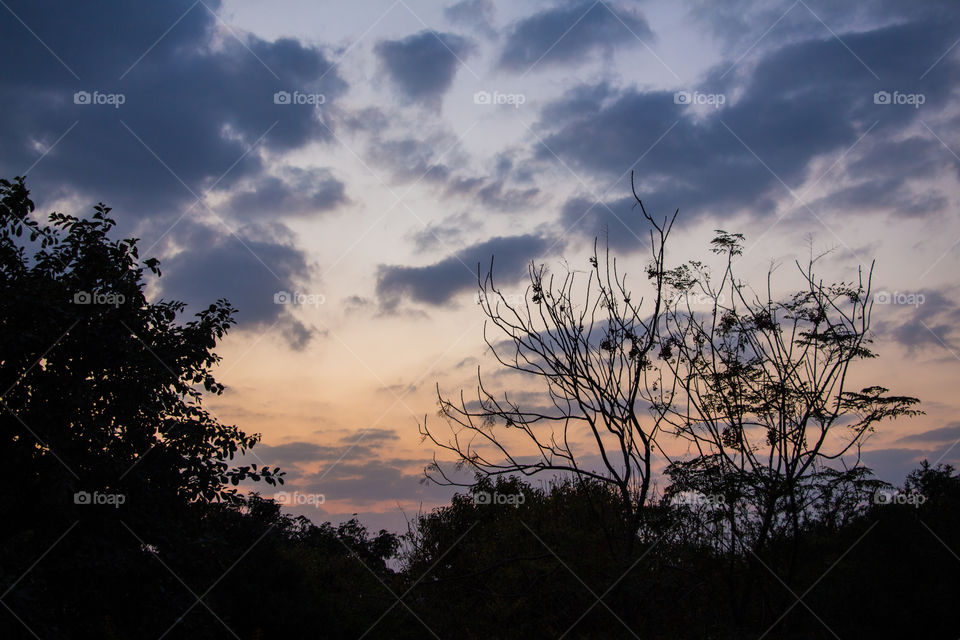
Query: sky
[339,170]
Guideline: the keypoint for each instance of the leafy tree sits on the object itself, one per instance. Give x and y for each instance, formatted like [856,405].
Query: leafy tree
[537,566]
[759,388]
[101,401]
[522,567]
[102,389]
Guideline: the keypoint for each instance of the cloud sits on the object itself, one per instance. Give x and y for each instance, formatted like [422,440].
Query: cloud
[949,433]
[247,268]
[354,468]
[442,234]
[370,481]
[743,25]
[193,104]
[476,14]
[921,319]
[415,159]
[893,465]
[430,160]
[180,114]
[496,195]
[568,34]
[438,283]
[805,101]
[422,66]
[296,192]
[352,446]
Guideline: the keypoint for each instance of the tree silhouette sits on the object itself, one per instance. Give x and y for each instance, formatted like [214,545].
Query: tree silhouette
[101,423]
[102,389]
[588,343]
[759,388]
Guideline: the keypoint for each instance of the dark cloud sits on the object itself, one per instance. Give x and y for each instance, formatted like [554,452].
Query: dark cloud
[296,192]
[496,195]
[423,65]
[436,284]
[353,446]
[431,160]
[576,104]
[949,433]
[198,112]
[415,159]
[248,268]
[797,104]
[750,27]
[289,454]
[476,14]
[369,481]
[893,465]
[357,304]
[925,319]
[569,33]
[443,234]
[353,468]
[880,195]
[193,105]
[617,221]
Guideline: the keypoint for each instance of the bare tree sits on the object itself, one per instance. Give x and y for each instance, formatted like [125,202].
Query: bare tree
[587,341]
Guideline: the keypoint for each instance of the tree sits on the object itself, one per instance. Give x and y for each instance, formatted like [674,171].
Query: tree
[101,387]
[588,344]
[760,389]
[102,427]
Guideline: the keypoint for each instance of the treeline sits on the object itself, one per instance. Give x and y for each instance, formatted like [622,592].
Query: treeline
[548,564]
